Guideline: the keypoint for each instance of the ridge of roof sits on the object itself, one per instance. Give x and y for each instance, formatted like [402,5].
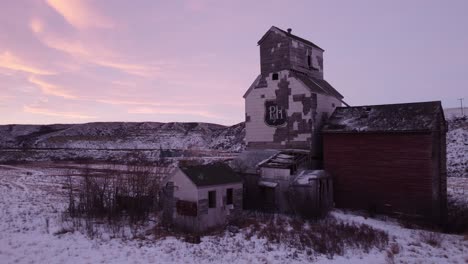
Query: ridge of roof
[289,35]
[317,85]
[394,104]
[314,84]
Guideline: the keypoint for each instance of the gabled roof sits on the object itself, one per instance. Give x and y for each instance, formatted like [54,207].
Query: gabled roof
[409,117]
[212,174]
[315,85]
[276,29]
[252,86]
[318,85]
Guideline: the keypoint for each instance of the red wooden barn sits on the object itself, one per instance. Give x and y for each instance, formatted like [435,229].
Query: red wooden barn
[389,158]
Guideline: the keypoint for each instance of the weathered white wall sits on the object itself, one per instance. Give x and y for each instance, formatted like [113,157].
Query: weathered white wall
[184,189]
[256,128]
[215,216]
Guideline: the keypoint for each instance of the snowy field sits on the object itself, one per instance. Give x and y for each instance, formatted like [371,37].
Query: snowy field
[33,198]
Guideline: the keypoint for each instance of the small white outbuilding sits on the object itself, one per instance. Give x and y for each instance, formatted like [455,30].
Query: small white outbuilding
[202,197]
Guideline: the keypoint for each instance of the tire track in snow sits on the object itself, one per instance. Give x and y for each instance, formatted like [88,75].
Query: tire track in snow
[18,181]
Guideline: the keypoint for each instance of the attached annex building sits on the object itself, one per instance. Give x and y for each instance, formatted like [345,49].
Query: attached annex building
[389,158]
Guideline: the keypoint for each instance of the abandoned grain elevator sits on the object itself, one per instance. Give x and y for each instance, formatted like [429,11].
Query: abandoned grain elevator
[285,107]
[289,100]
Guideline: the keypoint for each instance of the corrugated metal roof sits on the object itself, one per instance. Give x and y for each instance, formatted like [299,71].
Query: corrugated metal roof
[385,118]
[285,159]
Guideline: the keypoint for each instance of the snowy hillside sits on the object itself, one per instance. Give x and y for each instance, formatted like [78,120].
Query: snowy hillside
[103,140]
[457,147]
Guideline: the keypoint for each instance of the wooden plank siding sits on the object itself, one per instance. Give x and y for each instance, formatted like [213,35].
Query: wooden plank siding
[387,172]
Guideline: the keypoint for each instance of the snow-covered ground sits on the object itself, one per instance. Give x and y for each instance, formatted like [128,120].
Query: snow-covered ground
[457,147]
[32,199]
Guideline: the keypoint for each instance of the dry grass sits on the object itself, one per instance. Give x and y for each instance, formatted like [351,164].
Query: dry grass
[432,238]
[328,236]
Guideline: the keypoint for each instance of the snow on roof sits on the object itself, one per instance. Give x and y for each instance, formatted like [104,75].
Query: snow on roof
[285,159]
[267,184]
[306,176]
[379,118]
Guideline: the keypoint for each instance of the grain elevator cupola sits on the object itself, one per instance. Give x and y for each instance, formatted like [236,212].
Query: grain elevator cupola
[287,51]
[288,102]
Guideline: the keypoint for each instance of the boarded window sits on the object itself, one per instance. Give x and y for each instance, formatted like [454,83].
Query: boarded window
[229,196]
[212,199]
[186,208]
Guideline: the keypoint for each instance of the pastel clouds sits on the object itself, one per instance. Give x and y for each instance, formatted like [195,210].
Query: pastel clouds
[63,114]
[81,14]
[12,62]
[36,25]
[91,52]
[192,60]
[49,88]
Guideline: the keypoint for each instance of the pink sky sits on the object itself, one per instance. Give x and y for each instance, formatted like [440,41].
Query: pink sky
[86,61]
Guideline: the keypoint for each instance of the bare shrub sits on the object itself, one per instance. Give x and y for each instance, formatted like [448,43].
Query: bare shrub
[113,195]
[391,251]
[432,238]
[328,236]
[394,248]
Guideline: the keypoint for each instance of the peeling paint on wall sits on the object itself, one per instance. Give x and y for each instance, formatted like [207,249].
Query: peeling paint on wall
[294,64]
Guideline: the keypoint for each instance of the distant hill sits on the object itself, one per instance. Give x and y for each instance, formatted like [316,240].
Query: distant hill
[106,141]
[96,140]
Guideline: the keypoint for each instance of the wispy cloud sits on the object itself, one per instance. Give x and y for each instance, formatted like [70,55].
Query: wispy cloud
[48,112]
[80,14]
[50,89]
[5,98]
[96,54]
[9,61]
[36,25]
[134,69]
